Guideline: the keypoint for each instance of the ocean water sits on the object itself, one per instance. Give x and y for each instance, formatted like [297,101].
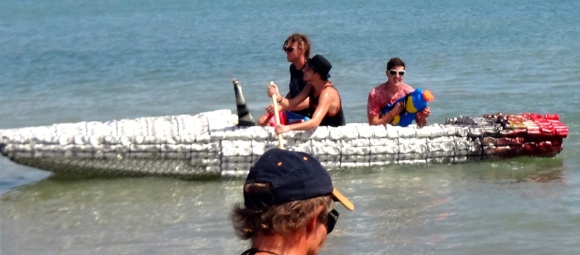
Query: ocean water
[69,61]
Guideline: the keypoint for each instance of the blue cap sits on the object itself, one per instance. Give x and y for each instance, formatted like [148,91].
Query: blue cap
[292,176]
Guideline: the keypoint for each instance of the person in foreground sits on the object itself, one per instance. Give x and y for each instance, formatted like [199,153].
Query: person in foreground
[288,205]
[325,105]
[297,48]
[388,93]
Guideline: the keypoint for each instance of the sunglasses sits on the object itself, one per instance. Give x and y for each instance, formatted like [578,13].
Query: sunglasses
[288,49]
[331,220]
[393,72]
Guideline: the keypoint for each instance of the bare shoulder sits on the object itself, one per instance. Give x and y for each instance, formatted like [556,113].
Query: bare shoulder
[329,91]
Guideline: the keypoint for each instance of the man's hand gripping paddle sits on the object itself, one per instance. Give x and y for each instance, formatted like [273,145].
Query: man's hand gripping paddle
[277,116]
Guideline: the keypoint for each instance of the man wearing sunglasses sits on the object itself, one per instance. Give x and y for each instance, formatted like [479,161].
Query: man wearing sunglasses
[288,205]
[388,93]
[297,50]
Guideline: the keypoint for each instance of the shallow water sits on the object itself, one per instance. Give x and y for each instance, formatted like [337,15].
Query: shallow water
[66,62]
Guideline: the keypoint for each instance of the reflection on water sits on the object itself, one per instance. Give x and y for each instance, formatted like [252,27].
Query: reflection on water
[518,169]
[423,206]
[111,215]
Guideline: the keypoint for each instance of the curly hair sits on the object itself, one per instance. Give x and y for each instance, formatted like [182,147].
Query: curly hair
[280,219]
[302,40]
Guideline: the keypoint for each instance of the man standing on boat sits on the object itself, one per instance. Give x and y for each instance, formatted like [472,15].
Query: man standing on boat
[388,92]
[288,205]
[297,49]
[325,104]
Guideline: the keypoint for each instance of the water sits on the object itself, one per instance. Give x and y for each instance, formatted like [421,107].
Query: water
[70,61]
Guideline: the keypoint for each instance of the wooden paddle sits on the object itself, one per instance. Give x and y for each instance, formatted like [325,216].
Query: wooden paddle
[277,116]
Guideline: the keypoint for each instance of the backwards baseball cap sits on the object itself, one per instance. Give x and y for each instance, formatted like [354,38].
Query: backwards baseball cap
[292,176]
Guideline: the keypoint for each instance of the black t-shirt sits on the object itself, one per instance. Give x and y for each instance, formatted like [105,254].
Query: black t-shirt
[297,82]
[296,85]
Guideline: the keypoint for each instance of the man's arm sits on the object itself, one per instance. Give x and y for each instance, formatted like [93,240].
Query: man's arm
[374,110]
[303,105]
[292,104]
[327,97]
[374,119]
[387,118]
[372,116]
[422,116]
